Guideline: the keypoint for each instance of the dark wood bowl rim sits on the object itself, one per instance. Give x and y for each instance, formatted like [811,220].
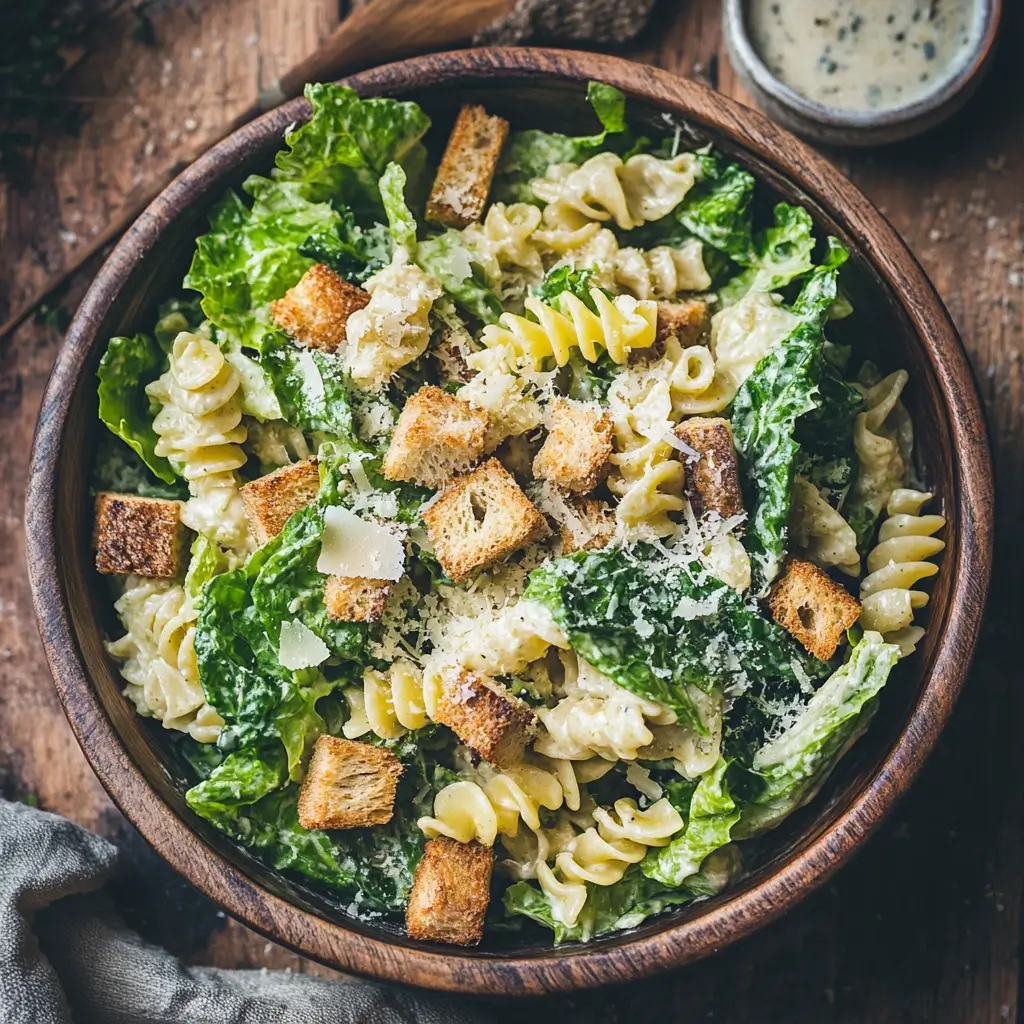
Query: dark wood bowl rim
[550,970]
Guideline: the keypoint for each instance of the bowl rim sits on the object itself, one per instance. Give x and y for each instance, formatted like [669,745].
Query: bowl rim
[551,970]
[950,93]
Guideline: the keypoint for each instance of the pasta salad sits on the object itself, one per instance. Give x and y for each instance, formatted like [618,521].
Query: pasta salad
[506,534]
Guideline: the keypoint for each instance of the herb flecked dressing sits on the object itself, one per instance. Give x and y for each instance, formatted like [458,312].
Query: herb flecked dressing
[864,54]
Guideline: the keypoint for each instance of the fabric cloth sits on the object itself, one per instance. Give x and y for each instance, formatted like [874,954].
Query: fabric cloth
[555,21]
[67,956]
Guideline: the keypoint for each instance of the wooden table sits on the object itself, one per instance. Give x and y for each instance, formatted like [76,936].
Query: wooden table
[925,925]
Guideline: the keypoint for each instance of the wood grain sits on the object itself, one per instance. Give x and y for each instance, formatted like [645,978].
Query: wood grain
[925,924]
[136,765]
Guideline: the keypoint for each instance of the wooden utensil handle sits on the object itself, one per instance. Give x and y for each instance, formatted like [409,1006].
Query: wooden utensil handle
[387,30]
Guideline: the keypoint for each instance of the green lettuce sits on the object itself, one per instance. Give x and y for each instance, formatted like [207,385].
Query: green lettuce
[119,468]
[208,560]
[789,770]
[530,153]
[713,813]
[783,387]
[448,260]
[353,252]
[401,222]
[782,253]
[342,151]
[657,626]
[127,366]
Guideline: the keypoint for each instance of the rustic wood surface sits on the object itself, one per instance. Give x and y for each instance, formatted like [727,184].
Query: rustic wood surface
[925,925]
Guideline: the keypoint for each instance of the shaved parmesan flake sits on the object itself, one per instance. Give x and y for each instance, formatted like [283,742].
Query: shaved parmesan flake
[353,547]
[300,647]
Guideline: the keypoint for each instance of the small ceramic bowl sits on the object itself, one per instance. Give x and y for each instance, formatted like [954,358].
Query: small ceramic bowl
[904,325]
[843,127]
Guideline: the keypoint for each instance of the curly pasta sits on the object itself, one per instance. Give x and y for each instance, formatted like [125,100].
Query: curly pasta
[619,326]
[820,532]
[159,659]
[389,705]
[641,189]
[506,243]
[882,438]
[898,562]
[201,431]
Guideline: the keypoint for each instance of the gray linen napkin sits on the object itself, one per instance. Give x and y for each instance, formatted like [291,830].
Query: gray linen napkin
[67,956]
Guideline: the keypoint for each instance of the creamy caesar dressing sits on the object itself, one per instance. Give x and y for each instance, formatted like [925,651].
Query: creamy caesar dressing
[864,54]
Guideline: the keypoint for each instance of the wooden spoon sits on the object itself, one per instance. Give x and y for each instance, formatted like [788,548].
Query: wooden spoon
[376,33]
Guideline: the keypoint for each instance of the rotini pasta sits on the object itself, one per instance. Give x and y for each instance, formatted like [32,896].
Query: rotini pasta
[390,704]
[159,661]
[820,532]
[620,326]
[641,189]
[899,561]
[505,244]
[201,431]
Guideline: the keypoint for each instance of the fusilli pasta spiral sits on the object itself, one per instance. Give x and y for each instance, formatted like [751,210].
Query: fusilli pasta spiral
[898,562]
[201,431]
[159,659]
[641,189]
[390,704]
[820,532]
[619,326]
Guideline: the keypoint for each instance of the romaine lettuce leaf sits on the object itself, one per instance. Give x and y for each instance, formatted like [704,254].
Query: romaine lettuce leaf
[341,152]
[530,153]
[118,468]
[353,252]
[401,222]
[656,626]
[782,253]
[789,770]
[783,387]
[128,365]
[447,259]
[208,560]
[712,815]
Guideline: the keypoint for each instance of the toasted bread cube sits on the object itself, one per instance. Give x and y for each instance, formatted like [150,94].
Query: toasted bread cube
[578,446]
[348,785]
[272,499]
[356,598]
[688,321]
[481,518]
[459,193]
[450,892]
[486,717]
[315,311]
[143,536]
[808,603]
[713,476]
[591,528]
[437,436]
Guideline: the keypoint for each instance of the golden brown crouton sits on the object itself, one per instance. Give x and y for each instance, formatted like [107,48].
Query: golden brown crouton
[348,785]
[136,535]
[486,717]
[688,321]
[463,181]
[576,451]
[813,607]
[591,528]
[481,518]
[272,499]
[712,476]
[450,892]
[437,436]
[356,598]
[316,310]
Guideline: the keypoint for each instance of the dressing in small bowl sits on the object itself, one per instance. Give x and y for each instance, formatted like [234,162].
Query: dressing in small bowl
[861,72]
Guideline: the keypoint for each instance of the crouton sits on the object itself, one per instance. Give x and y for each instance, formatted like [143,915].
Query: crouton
[348,785]
[687,321]
[450,892]
[486,717]
[712,477]
[437,436]
[480,519]
[590,528]
[809,604]
[576,451]
[459,193]
[143,536]
[356,598]
[270,500]
[316,310]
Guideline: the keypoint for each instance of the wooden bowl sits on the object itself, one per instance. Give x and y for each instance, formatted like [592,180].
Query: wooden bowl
[896,307]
